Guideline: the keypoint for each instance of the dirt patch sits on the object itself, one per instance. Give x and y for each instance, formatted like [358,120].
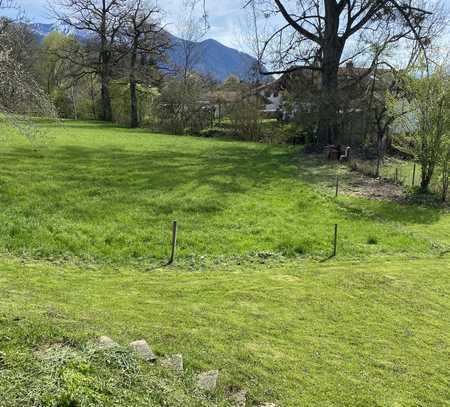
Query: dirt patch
[48,350]
[374,188]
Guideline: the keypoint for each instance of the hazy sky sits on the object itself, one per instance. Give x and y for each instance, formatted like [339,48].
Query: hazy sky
[225,17]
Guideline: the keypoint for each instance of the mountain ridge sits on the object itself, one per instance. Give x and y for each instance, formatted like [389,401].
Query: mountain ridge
[217,60]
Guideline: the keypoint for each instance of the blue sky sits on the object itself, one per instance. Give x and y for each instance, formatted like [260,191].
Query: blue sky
[225,17]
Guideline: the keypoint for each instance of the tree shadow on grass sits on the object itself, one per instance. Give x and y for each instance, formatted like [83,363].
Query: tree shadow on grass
[196,179]
[316,170]
[384,211]
[115,173]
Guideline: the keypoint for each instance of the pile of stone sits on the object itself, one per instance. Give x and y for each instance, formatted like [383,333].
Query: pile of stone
[206,381]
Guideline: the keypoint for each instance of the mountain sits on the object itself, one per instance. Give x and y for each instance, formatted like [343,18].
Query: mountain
[214,59]
[42,29]
[211,57]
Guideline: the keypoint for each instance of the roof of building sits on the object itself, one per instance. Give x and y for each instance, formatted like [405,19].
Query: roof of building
[312,77]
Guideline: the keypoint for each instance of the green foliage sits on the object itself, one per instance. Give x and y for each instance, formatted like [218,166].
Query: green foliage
[232,83]
[62,102]
[427,98]
[181,107]
[217,132]
[246,119]
[120,95]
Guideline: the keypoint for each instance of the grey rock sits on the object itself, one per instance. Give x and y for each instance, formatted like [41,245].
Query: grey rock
[207,381]
[173,362]
[239,398]
[143,350]
[268,405]
[106,342]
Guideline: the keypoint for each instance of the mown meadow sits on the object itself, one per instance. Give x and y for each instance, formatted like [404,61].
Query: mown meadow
[85,223]
[334,334]
[108,195]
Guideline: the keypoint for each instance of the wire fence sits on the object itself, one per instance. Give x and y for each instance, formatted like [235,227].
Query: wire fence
[407,174]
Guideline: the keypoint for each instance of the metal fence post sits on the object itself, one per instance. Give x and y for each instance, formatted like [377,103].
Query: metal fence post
[174,242]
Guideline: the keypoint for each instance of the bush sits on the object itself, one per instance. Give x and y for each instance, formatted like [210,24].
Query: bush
[120,97]
[246,119]
[216,132]
[180,108]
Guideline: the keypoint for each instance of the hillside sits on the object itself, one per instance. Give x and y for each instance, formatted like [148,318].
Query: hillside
[233,200]
[85,232]
[213,58]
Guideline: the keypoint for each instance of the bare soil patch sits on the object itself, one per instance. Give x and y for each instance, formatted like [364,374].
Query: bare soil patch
[374,188]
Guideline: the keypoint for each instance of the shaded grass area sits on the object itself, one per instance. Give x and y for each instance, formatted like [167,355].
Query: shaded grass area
[341,334]
[106,194]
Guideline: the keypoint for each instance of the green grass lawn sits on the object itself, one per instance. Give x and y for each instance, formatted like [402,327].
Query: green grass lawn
[85,224]
[305,334]
[108,195]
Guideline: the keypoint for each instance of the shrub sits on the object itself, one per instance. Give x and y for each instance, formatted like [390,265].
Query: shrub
[216,132]
[246,118]
[180,107]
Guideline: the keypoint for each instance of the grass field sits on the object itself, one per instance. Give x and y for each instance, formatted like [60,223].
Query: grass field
[85,229]
[108,195]
[305,334]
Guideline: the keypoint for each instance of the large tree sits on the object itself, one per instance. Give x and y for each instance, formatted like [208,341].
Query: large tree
[320,35]
[101,22]
[146,42]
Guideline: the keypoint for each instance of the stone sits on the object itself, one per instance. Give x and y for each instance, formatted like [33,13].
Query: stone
[173,362]
[106,342]
[239,398]
[268,405]
[143,350]
[207,381]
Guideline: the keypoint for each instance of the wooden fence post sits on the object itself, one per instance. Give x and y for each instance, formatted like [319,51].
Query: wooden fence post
[335,240]
[414,175]
[174,242]
[337,186]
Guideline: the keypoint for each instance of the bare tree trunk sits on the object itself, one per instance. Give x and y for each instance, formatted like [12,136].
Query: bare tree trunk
[74,103]
[105,77]
[379,155]
[134,120]
[327,131]
[92,92]
[427,173]
[445,180]
[106,100]
[328,105]
[381,137]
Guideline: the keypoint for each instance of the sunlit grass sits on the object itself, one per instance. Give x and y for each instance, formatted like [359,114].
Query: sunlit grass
[107,194]
[339,334]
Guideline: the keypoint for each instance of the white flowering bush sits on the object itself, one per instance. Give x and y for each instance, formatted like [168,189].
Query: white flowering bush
[21,97]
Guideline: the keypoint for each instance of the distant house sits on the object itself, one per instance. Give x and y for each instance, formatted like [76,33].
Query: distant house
[296,95]
[273,97]
[219,100]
